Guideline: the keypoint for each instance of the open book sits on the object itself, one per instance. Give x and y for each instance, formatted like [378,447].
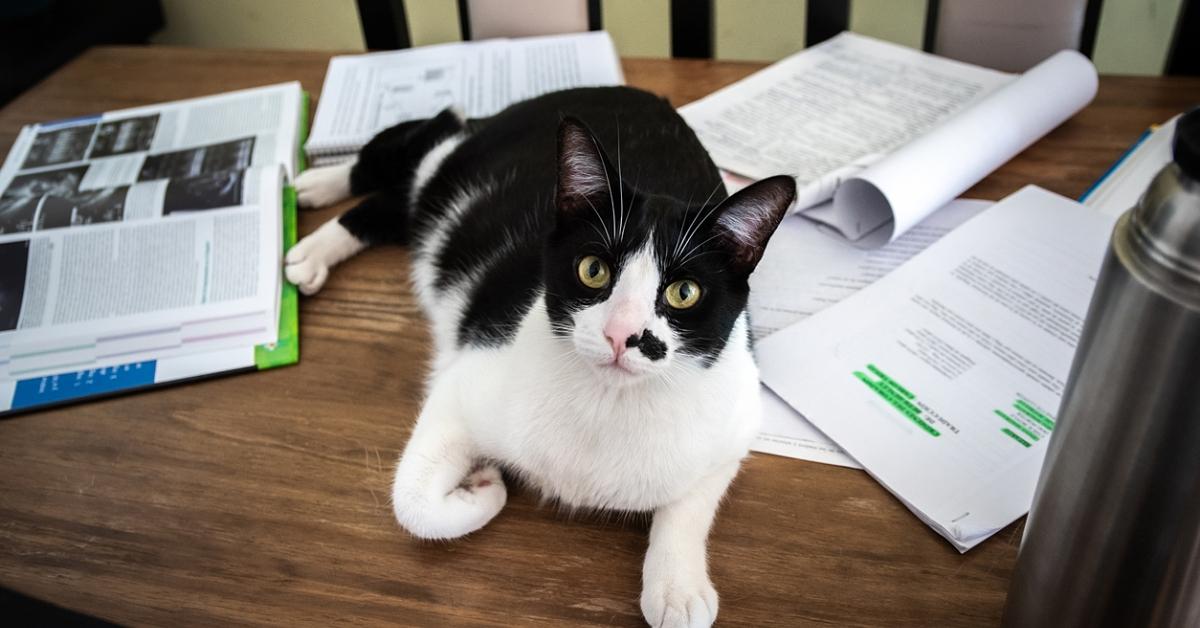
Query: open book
[364,94]
[890,134]
[142,246]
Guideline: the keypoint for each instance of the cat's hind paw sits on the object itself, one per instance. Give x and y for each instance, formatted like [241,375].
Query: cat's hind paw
[681,600]
[465,509]
[321,187]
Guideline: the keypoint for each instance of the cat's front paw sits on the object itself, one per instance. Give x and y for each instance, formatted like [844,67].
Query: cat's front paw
[679,600]
[465,509]
[307,263]
[320,187]
[306,271]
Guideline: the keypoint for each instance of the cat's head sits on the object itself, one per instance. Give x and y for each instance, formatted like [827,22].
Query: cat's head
[643,284]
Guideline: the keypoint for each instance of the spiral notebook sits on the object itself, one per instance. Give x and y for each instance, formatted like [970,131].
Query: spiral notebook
[364,94]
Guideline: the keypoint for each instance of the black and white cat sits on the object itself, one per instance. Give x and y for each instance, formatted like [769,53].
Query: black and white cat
[589,315]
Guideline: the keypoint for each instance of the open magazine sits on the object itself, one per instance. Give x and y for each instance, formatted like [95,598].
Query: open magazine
[142,246]
[364,94]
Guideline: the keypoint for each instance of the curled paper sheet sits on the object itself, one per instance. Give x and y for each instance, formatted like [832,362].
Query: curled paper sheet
[887,198]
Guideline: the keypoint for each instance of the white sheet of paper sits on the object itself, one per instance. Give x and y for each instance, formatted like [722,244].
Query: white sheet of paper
[824,114]
[889,197]
[804,271]
[933,376]
[785,433]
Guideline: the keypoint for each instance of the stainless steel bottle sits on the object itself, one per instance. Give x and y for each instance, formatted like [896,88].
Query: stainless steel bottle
[1113,538]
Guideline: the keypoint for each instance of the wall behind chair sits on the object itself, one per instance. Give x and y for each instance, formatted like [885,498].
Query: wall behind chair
[1133,36]
[278,24]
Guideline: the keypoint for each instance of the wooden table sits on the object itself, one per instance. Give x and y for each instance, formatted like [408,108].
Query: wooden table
[263,499]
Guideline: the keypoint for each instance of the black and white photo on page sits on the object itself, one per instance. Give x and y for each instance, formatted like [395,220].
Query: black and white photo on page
[118,137]
[59,146]
[14,262]
[60,182]
[190,162]
[82,208]
[207,191]
[17,213]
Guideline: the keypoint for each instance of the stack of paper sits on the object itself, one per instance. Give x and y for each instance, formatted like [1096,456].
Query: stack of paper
[942,378]
[805,271]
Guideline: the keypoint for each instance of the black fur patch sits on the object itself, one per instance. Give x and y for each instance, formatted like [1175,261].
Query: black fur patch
[385,170]
[652,347]
[516,240]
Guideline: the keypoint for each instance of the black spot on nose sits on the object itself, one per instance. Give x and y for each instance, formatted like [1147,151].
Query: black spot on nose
[651,346]
[631,341]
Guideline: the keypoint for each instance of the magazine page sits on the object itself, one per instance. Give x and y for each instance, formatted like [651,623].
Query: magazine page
[187,138]
[101,277]
[364,94]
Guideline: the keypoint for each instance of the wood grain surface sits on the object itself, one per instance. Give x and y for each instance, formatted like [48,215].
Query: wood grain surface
[263,498]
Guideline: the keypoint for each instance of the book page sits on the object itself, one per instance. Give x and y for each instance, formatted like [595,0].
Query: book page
[364,94]
[827,112]
[190,268]
[942,378]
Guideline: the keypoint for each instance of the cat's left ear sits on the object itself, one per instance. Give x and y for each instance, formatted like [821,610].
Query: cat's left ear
[746,220]
[583,178]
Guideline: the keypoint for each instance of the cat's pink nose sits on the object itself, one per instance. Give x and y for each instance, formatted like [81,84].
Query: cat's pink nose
[626,321]
[618,345]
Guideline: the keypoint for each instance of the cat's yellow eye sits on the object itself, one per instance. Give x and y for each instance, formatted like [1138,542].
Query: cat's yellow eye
[593,272]
[683,294]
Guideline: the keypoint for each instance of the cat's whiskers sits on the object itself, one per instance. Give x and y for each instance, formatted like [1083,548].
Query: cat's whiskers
[691,254]
[620,185]
[607,241]
[608,183]
[698,221]
[629,210]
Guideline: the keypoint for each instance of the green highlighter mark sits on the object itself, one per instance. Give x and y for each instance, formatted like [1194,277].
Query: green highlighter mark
[1024,415]
[1013,422]
[1035,415]
[1015,437]
[890,382]
[896,395]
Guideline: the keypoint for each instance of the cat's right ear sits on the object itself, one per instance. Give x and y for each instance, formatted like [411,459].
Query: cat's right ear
[583,180]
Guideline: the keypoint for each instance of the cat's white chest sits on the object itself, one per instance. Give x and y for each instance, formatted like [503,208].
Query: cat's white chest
[632,448]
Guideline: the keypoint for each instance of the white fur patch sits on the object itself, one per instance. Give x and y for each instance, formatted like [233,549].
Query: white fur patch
[307,263]
[321,187]
[444,308]
[634,294]
[430,163]
[669,444]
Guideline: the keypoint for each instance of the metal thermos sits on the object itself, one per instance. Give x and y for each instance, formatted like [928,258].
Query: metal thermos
[1113,538]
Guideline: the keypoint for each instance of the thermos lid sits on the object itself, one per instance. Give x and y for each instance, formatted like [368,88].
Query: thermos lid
[1186,144]
[1165,224]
